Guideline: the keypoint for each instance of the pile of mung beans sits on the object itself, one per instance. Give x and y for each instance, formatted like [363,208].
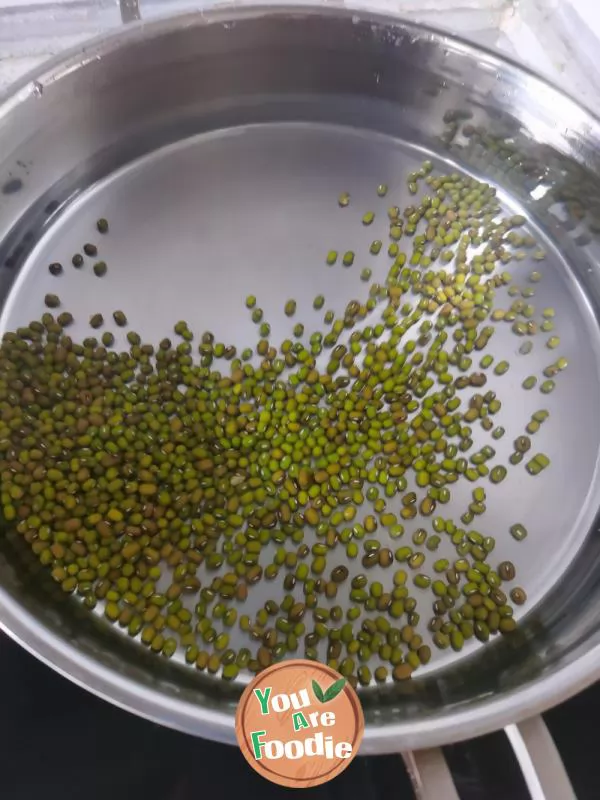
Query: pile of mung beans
[161,484]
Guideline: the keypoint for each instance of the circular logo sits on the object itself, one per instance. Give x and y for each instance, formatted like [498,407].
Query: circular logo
[299,723]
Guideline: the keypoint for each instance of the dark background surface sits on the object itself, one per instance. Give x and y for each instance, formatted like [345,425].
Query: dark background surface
[59,742]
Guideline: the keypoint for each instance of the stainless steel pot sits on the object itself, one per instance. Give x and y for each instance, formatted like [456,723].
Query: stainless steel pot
[95,111]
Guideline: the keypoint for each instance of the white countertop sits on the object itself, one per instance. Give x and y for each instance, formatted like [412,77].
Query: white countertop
[559,38]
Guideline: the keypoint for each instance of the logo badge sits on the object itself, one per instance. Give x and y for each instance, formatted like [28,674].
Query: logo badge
[299,723]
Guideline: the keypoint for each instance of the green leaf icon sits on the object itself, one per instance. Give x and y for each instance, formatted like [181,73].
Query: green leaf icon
[334,690]
[329,694]
[318,692]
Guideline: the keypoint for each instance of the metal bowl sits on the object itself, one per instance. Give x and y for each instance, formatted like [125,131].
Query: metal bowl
[334,94]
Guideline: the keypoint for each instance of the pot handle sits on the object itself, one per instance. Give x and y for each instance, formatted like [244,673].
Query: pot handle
[541,765]
[429,774]
[540,761]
